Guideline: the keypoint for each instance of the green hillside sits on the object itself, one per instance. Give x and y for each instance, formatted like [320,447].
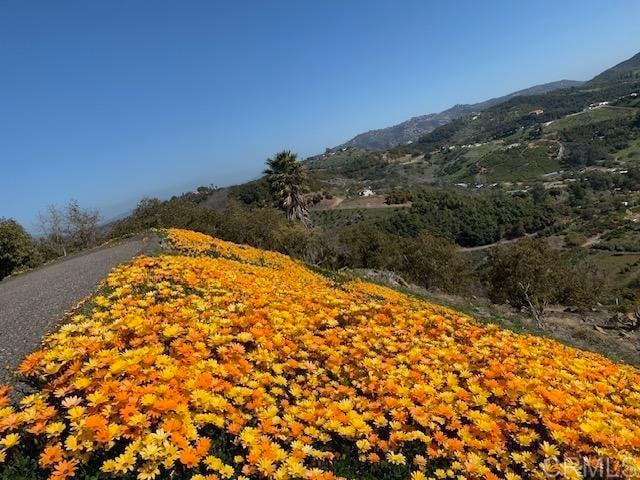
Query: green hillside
[526,138]
[627,71]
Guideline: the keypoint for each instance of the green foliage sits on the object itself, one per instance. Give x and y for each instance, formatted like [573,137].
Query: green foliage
[177,212]
[17,249]
[531,274]
[255,193]
[364,245]
[433,262]
[428,261]
[352,163]
[338,219]
[21,467]
[513,116]
[471,220]
[590,143]
[605,116]
[518,163]
[625,238]
[574,239]
[397,197]
[263,227]
[268,229]
[626,71]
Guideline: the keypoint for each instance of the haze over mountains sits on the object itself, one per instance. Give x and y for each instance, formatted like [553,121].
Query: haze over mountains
[412,129]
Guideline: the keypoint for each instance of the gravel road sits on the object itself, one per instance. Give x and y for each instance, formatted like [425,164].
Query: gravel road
[32,304]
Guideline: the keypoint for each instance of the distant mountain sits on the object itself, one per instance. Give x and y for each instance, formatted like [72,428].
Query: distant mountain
[416,127]
[629,70]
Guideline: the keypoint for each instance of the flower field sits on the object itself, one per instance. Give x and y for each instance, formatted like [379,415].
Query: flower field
[220,361]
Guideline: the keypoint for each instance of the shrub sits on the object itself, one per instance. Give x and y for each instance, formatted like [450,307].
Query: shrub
[17,249]
[531,274]
[574,239]
[436,263]
[366,246]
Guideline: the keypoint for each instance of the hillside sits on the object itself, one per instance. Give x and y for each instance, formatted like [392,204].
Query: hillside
[527,136]
[561,168]
[227,361]
[414,128]
[626,71]
[547,133]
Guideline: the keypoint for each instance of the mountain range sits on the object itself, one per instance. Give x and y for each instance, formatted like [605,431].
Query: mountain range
[414,128]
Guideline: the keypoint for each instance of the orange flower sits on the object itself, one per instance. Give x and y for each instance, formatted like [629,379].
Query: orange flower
[64,469]
[95,423]
[51,454]
[202,446]
[189,458]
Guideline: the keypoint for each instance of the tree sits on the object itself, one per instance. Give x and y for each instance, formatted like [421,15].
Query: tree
[180,212]
[17,249]
[532,275]
[69,228]
[364,245]
[525,274]
[287,181]
[434,262]
[539,193]
[52,224]
[82,225]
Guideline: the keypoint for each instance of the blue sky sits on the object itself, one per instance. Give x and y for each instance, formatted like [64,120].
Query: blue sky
[108,101]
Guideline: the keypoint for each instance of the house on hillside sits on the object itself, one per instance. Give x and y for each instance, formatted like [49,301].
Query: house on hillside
[538,111]
[366,192]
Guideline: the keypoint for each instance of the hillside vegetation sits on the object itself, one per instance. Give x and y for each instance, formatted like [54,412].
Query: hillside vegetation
[218,360]
[414,128]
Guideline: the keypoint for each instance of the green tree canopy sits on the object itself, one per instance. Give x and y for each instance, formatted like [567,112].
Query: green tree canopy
[17,249]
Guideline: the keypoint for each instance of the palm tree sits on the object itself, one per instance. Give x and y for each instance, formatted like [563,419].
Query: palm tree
[288,180]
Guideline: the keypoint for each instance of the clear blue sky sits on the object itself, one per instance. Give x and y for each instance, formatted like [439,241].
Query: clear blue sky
[107,101]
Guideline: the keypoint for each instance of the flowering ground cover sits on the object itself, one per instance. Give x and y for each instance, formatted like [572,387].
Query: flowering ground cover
[220,361]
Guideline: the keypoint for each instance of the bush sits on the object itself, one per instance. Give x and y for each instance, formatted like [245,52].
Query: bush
[574,239]
[531,274]
[17,249]
[436,263]
[366,246]
[177,212]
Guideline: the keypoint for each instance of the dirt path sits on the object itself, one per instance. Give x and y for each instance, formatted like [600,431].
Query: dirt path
[32,304]
[592,240]
[492,245]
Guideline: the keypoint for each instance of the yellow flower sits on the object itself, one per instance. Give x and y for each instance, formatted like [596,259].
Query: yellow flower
[55,429]
[549,450]
[396,458]
[10,440]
